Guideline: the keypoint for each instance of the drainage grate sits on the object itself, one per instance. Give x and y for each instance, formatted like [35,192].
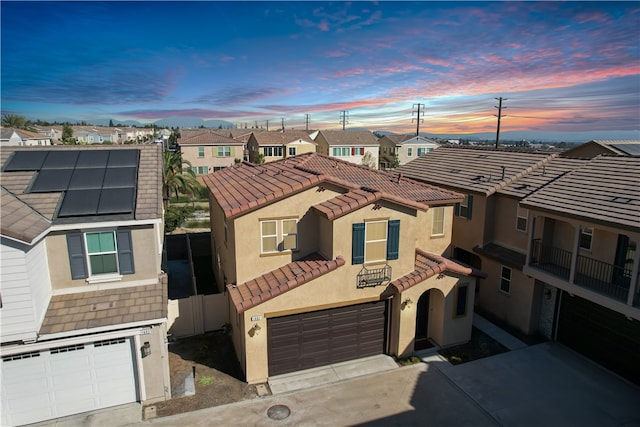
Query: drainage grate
[278,412]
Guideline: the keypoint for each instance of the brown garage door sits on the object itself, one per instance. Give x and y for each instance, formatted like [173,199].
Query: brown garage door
[318,338]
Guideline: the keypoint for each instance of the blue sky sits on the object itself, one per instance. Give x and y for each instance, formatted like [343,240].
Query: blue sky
[571,67]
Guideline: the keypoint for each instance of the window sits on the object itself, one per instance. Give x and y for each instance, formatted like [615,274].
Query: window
[340,151]
[437,222]
[226,231]
[100,253]
[200,151]
[292,151]
[279,235]
[505,279]
[586,238]
[463,209]
[218,168]
[424,150]
[375,241]
[357,151]
[461,300]
[409,151]
[273,151]
[521,219]
[224,151]
[202,170]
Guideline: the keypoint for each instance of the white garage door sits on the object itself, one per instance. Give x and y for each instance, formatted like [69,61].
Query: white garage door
[67,380]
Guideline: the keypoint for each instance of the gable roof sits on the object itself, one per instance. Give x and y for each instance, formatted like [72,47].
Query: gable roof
[244,187]
[349,137]
[605,190]
[26,214]
[401,139]
[624,147]
[282,138]
[207,137]
[473,169]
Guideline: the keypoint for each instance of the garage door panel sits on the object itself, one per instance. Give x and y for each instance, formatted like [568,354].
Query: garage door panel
[325,337]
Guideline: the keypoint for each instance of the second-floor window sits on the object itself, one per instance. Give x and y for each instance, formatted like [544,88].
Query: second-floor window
[410,152]
[357,151]
[424,150]
[200,151]
[375,241]
[223,151]
[521,219]
[586,238]
[278,235]
[340,151]
[273,151]
[292,151]
[437,221]
[464,208]
[100,253]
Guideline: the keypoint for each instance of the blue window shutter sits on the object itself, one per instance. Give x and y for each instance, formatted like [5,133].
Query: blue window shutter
[77,260]
[357,245]
[393,239]
[125,252]
[469,206]
[456,209]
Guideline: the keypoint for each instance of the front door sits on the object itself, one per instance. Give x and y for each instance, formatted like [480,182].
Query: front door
[422,323]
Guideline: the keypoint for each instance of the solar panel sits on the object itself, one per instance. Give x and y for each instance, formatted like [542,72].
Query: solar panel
[25,161]
[123,158]
[93,159]
[632,150]
[89,178]
[120,177]
[51,180]
[61,160]
[116,200]
[79,203]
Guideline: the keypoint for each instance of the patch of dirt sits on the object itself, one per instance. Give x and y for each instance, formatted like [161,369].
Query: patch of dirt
[481,345]
[218,377]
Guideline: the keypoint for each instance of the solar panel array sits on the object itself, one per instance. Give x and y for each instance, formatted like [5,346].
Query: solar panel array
[94,182]
[632,150]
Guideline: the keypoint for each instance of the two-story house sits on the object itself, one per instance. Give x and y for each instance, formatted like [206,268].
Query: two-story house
[208,151]
[277,145]
[404,148]
[325,261]
[83,296]
[584,237]
[11,137]
[354,146]
[591,149]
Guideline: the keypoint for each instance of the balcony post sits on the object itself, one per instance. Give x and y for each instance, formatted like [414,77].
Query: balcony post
[530,241]
[633,286]
[574,254]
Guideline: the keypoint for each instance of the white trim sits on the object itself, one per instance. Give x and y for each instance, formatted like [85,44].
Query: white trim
[121,326]
[32,242]
[104,224]
[104,286]
[142,392]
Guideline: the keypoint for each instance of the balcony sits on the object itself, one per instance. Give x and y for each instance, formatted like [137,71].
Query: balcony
[373,277]
[601,277]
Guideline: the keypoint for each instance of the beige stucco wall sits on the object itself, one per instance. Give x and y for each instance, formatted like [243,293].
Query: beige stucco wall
[155,367]
[146,252]
[468,233]
[301,148]
[210,159]
[504,220]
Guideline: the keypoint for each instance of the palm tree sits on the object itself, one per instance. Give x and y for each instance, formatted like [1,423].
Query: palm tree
[16,121]
[178,179]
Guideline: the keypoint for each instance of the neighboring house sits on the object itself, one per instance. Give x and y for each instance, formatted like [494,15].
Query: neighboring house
[277,145]
[349,145]
[84,297]
[584,240]
[11,137]
[209,151]
[594,148]
[405,147]
[325,261]
[83,136]
[52,132]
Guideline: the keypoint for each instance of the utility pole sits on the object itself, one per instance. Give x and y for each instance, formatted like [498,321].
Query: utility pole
[256,124]
[499,115]
[418,106]
[306,121]
[344,118]
[267,125]
[282,120]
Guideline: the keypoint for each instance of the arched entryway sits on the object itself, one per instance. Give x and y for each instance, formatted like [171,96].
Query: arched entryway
[422,323]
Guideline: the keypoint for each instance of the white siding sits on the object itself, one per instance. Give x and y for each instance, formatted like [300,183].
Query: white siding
[25,288]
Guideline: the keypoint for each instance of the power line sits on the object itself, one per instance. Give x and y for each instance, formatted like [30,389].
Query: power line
[499,107]
[306,121]
[344,118]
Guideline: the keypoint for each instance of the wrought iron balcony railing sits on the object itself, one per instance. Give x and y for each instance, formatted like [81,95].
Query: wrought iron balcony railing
[373,277]
[551,259]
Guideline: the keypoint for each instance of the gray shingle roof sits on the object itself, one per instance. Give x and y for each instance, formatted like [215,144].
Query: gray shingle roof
[605,190]
[350,137]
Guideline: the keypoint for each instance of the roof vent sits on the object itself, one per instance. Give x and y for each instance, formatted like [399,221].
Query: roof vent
[455,170]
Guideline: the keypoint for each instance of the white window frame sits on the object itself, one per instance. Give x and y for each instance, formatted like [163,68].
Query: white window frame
[223,151]
[522,214]
[434,232]
[92,277]
[366,242]
[409,152]
[279,235]
[200,152]
[292,151]
[505,279]
[202,170]
[588,232]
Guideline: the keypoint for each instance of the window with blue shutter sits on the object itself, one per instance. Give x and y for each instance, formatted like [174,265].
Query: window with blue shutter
[357,245]
[108,252]
[77,260]
[393,239]
[125,252]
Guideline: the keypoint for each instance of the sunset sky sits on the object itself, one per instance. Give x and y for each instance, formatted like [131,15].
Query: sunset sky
[566,68]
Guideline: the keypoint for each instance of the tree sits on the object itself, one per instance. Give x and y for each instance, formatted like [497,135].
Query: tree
[369,161]
[110,123]
[178,179]
[16,121]
[67,135]
[259,159]
[395,163]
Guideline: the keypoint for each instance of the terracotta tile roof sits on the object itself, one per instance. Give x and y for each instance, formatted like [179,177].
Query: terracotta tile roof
[148,196]
[207,137]
[473,170]
[244,187]
[541,176]
[349,137]
[86,310]
[605,190]
[427,265]
[507,256]
[281,138]
[281,280]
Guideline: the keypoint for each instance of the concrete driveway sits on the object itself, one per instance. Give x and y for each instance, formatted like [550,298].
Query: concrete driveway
[541,385]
